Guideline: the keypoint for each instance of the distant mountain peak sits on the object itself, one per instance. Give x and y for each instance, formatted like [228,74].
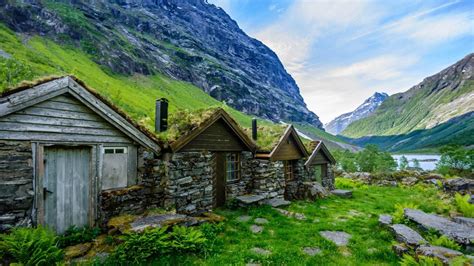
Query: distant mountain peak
[365,109]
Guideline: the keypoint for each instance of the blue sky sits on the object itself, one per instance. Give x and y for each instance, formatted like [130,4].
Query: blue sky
[341,52]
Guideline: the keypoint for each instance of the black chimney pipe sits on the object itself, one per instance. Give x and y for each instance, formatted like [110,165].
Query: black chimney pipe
[254,129]
[161,115]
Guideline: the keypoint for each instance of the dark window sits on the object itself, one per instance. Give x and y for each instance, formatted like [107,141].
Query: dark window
[288,168]
[232,166]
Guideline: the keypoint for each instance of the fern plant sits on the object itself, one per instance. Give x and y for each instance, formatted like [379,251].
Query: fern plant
[399,214]
[187,239]
[443,241]
[30,246]
[408,260]
[463,205]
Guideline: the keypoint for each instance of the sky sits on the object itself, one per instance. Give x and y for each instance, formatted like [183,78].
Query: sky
[341,52]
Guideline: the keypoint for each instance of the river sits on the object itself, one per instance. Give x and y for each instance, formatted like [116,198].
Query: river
[427,161]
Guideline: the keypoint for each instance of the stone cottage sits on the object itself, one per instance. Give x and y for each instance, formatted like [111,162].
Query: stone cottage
[68,157]
[319,165]
[207,165]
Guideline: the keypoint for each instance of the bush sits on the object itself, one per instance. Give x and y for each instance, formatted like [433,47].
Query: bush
[371,159]
[139,247]
[463,205]
[443,241]
[456,161]
[75,235]
[348,183]
[403,163]
[399,215]
[211,233]
[30,246]
[422,261]
[187,239]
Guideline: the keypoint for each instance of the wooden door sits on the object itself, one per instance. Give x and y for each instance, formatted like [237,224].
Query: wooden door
[220,182]
[66,187]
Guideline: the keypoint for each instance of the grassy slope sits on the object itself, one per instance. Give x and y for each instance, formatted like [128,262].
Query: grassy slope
[458,131]
[286,237]
[136,95]
[399,116]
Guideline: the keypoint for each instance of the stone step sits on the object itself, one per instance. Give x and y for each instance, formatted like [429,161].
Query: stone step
[405,234]
[277,202]
[461,233]
[250,199]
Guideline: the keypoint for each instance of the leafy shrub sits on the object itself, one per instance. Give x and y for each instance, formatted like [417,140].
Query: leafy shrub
[75,235]
[30,246]
[187,239]
[456,160]
[211,233]
[349,183]
[371,159]
[398,215]
[403,163]
[443,241]
[408,260]
[463,205]
[139,247]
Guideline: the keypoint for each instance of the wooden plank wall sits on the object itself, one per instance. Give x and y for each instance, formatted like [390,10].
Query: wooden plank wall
[288,150]
[62,118]
[218,137]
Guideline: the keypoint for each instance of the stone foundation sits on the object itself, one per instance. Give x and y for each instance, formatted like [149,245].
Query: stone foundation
[16,184]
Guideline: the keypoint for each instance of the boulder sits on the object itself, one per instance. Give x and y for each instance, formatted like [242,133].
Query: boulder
[461,233]
[400,249]
[442,253]
[471,200]
[342,193]
[459,185]
[405,234]
[385,219]
[277,202]
[158,220]
[409,181]
[337,237]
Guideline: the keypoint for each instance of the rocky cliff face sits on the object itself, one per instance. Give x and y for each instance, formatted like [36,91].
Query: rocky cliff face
[432,102]
[189,40]
[364,110]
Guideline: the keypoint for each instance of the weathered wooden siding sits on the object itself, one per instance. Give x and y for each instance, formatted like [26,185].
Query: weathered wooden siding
[62,118]
[320,158]
[218,137]
[288,150]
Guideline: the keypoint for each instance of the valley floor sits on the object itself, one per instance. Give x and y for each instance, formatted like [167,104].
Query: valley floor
[286,237]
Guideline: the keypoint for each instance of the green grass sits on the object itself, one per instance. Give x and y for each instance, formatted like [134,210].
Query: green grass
[136,95]
[286,237]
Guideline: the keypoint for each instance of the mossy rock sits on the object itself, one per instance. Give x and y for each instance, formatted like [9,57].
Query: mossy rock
[213,218]
[77,250]
[121,223]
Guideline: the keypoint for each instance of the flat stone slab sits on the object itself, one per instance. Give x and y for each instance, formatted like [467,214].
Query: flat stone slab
[337,237]
[244,218]
[342,193]
[385,219]
[464,220]
[461,233]
[256,229]
[312,251]
[261,221]
[250,199]
[405,234]
[278,202]
[442,253]
[299,216]
[262,251]
[158,220]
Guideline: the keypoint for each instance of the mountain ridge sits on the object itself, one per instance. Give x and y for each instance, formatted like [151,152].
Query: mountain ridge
[435,100]
[339,123]
[189,40]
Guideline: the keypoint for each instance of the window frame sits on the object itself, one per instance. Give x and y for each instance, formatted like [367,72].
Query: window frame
[234,174]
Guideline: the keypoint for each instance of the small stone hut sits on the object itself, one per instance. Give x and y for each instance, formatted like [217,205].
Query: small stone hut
[278,172]
[68,157]
[207,165]
[319,165]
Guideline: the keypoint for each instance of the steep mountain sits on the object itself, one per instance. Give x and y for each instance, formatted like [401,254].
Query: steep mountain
[187,40]
[435,100]
[364,110]
[458,130]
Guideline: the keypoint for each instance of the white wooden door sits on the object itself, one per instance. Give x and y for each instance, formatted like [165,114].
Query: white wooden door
[66,187]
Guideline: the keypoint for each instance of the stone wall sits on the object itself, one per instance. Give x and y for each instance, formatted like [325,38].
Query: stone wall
[244,184]
[268,178]
[147,193]
[189,182]
[293,187]
[16,184]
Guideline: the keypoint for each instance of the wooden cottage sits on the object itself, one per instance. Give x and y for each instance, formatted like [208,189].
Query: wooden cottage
[208,165]
[319,164]
[61,145]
